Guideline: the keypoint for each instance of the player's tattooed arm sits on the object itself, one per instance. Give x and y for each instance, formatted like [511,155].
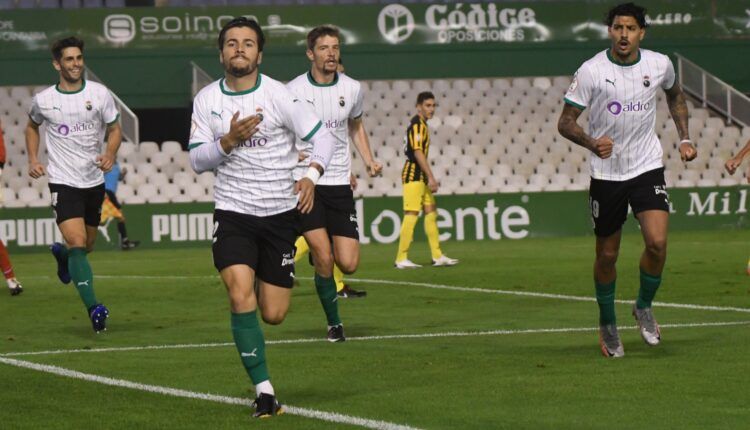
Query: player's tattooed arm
[679,111]
[569,128]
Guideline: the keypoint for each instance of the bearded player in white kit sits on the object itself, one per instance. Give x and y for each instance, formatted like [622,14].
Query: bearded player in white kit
[77,113]
[244,128]
[330,228]
[619,87]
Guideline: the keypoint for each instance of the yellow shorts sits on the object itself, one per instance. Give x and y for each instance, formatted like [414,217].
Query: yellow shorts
[416,196]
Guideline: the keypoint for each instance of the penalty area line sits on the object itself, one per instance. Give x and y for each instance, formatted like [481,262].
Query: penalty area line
[332,417]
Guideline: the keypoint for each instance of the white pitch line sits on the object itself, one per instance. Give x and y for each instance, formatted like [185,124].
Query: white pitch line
[547,295]
[175,392]
[454,288]
[365,338]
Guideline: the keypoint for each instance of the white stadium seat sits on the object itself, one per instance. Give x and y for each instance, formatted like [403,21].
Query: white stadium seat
[147,191]
[31,197]
[206,179]
[148,148]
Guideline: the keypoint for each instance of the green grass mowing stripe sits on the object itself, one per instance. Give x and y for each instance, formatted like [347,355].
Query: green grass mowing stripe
[364,338]
[454,288]
[308,413]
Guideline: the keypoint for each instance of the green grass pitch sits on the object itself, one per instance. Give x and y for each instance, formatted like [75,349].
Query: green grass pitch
[515,361]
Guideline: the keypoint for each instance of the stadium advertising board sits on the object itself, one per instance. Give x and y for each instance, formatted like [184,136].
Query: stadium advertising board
[455,23]
[460,217]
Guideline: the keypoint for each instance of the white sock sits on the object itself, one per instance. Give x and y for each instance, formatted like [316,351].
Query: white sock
[264,387]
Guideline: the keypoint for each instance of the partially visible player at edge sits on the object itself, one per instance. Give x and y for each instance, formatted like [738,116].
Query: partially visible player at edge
[112,208]
[343,290]
[243,129]
[419,185]
[14,287]
[338,100]
[732,165]
[77,113]
[619,87]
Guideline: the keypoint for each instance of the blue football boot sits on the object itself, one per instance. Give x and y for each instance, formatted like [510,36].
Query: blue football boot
[62,262]
[99,314]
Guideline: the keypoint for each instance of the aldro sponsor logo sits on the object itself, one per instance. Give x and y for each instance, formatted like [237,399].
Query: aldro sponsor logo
[254,142]
[78,127]
[616,108]
[334,123]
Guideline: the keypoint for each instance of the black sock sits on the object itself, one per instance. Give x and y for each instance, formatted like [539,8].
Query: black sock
[123,231]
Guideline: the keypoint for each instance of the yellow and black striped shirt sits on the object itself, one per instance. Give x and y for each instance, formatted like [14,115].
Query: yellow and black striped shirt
[417,137]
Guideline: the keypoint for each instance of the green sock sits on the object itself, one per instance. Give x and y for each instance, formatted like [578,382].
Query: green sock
[248,337]
[649,285]
[326,288]
[83,277]
[605,297]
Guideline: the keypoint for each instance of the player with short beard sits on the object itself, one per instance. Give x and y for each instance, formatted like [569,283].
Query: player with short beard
[619,86]
[243,129]
[331,228]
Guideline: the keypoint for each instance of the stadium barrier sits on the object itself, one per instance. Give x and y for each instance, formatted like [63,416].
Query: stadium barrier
[514,216]
[143,53]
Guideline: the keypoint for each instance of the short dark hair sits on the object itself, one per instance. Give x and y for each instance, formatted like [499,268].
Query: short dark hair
[241,21]
[320,31]
[627,9]
[424,96]
[69,42]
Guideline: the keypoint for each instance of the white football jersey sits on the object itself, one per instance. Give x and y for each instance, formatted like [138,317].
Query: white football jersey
[76,125]
[622,105]
[335,104]
[256,178]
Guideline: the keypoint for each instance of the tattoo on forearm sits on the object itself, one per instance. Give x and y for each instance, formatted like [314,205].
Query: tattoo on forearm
[571,130]
[679,111]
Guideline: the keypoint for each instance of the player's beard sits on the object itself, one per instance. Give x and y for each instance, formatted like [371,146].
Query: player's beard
[68,77]
[240,71]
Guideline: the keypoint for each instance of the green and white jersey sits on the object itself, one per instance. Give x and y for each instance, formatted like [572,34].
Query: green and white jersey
[256,177]
[335,104]
[76,124]
[621,99]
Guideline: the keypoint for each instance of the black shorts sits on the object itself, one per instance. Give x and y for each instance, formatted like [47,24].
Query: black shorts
[266,244]
[608,200]
[70,202]
[334,211]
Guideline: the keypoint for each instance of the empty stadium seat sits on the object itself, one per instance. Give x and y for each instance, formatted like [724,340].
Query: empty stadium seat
[171,147]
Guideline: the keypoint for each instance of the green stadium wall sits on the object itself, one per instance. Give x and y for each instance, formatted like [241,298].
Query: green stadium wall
[513,216]
[539,39]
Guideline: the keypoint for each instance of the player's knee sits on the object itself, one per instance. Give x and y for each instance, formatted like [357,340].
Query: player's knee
[657,248]
[607,257]
[274,316]
[77,242]
[240,300]
[323,262]
[348,265]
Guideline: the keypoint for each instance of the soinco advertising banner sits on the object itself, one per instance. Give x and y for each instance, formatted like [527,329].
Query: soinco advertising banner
[460,217]
[455,23]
